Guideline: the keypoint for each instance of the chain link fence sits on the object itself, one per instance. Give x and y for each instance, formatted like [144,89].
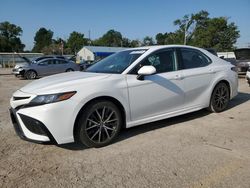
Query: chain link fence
[9,60]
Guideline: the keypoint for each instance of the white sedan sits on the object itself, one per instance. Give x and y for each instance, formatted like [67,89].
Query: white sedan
[126,89]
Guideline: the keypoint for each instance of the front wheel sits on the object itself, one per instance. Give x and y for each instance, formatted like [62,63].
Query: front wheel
[99,124]
[220,98]
[30,75]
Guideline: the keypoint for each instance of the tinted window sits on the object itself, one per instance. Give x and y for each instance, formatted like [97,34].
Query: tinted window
[193,59]
[50,62]
[163,61]
[117,62]
[61,62]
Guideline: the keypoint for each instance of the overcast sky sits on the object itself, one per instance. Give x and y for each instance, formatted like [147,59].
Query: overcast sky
[135,19]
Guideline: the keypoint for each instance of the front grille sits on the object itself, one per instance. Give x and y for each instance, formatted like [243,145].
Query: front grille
[20,98]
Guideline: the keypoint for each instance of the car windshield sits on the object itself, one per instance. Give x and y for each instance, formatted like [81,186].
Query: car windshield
[242,54]
[116,63]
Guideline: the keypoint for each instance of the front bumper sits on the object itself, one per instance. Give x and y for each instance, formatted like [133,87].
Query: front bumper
[18,73]
[50,122]
[37,128]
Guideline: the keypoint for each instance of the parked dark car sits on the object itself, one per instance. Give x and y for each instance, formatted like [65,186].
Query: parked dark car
[44,66]
[242,59]
[84,65]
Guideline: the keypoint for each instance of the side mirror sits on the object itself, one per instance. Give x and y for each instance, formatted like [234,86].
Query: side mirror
[146,71]
[222,57]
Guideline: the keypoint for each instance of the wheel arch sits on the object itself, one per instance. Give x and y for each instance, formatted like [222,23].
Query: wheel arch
[107,98]
[30,70]
[227,83]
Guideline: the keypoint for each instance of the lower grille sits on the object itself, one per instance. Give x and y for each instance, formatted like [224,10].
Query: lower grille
[33,125]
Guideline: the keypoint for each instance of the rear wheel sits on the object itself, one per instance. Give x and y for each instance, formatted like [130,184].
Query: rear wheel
[99,124]
[220,98]
[30,75]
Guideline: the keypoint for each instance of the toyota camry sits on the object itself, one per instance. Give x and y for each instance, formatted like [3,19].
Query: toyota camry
[126,89]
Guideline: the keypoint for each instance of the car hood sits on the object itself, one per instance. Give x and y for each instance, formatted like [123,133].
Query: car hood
[20,65]
[61,82]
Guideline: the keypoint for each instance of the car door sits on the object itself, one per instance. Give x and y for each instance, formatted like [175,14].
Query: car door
[60,66]
[197,75]
[45,67]
[157,94]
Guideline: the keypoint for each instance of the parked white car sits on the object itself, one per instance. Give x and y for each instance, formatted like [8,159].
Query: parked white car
[126,89]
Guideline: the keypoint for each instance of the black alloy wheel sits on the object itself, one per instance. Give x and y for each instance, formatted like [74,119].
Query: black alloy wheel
[220,98]
[99,124]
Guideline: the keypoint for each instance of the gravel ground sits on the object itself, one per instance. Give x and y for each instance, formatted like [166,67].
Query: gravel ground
[199,149]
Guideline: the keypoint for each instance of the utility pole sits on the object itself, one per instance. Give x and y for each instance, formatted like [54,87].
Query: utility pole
[89,42]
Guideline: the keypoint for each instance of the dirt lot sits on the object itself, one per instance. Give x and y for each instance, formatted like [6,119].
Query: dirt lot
[200,149]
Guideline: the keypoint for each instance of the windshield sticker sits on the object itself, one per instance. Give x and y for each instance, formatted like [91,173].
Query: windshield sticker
[138,52]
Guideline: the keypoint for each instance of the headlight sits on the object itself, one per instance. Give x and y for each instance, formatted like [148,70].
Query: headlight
[51,98]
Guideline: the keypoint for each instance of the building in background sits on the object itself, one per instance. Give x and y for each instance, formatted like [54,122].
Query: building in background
[95,53]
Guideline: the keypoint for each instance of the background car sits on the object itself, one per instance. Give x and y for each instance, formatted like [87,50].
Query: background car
[44,66]
[242,59]
[84,65]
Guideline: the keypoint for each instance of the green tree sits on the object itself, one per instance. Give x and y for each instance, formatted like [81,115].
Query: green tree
[135,43]
[160,39]
[10,37]
[217,33]
[148,41]
[76,41]
[200,30]
[43,38]
[111,38]
[189,23]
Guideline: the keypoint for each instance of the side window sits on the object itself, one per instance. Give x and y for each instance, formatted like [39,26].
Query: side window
[163,61]
[43,63]
[61,62]
[193,59]
[50,62]
[65,62]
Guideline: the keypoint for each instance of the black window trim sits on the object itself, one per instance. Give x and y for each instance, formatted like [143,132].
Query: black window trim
[158,51]
[180,60]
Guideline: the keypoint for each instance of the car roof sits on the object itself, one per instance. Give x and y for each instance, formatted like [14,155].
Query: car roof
[52,58]
[156,47]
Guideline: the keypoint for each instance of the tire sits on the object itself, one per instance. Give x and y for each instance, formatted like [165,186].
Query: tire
[30,75]
[69,70]
[99,124]
[220,98]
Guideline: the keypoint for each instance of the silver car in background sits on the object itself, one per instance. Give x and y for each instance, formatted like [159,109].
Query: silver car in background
[44,67]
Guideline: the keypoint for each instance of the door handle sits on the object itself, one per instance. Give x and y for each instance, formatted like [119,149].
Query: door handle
[178,77]
[212,71]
